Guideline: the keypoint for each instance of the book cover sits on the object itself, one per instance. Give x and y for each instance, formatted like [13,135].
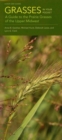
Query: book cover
[30,70]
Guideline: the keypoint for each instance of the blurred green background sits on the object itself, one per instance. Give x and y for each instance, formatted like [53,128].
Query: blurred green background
[17,67]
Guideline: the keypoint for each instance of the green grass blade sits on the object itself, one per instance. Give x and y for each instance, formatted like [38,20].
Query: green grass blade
[27,119]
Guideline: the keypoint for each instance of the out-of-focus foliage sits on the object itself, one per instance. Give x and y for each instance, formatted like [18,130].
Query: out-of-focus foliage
[17,68]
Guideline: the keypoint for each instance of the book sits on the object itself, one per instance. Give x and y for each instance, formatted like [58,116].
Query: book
[30,69]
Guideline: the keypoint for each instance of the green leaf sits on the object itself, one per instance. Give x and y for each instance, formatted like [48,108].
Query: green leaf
[27,119]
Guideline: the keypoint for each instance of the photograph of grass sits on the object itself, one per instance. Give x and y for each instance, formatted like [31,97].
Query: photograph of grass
[30,87]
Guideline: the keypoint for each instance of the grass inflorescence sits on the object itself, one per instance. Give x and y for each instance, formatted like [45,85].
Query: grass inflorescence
[42,78]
